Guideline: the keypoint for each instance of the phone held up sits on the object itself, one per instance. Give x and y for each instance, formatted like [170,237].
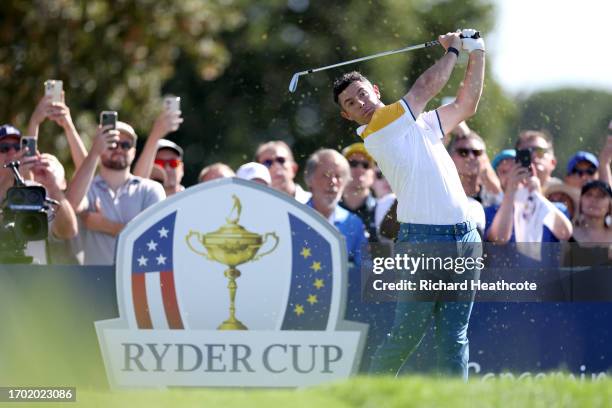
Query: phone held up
[53,87]
[172,103]
[28,144]
[523,156]
[109,118]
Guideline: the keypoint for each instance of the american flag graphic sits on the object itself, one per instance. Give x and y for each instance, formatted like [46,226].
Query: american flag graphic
[153,290]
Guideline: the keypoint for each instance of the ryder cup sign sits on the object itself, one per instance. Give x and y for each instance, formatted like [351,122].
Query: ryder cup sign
[230,283]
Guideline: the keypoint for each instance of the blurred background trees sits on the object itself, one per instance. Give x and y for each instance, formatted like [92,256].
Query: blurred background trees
[231,62]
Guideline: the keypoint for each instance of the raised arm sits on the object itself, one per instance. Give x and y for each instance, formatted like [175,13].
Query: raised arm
[59,112]
[470,89]
[431,82]
[79,185]
[605,158]
[165,123]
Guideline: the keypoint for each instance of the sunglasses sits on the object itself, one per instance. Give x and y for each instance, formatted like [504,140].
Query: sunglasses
[590,171]
[125,145]
[269,162]
[466,152]
[5,147]
[172,163]
[363,163]
[538,151]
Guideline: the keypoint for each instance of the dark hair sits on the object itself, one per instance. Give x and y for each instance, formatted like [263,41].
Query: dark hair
[602,185]
[527,135]
[341,83]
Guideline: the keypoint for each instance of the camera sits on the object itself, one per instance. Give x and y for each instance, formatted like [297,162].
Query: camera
[523,156]
[25,215]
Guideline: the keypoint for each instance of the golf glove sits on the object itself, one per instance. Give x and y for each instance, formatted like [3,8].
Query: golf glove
[470,44]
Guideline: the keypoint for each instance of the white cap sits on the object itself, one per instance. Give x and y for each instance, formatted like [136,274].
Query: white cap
[252,170]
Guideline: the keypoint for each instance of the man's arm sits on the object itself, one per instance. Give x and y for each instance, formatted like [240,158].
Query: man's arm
[165,123]
[503,222]
[470,89]
[431,82]
[79,185]
[605,158]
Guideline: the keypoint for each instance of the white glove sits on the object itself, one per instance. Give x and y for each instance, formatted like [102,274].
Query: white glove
[470,44]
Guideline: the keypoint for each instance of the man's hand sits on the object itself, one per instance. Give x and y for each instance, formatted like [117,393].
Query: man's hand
[517,176]
[60,114]
[471,44]
[96,221]
[605,156]
[450,40]
[105,136]
[165,123]
[43,173]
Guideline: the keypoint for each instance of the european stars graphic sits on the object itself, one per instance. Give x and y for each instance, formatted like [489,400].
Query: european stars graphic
[318,283]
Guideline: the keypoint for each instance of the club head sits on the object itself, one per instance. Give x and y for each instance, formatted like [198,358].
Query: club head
[294,82]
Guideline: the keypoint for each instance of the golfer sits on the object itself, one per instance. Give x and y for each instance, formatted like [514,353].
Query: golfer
[432,206]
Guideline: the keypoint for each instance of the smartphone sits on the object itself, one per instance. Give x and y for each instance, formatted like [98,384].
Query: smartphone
[108,118]
[54,87]
[172,103]
[28,143]
[523,156]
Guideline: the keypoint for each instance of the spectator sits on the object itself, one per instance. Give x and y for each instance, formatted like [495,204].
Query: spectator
[170,158]
[385,198]
[524,215]
[358,196]
[327,174]
[558,192]
[477,176]
[581,168]
[591,241]
[45,170]
[278,158]
[542,153]
[594,220]
[114,197]
[255,172]
[605,158]
[163,152]
[158,174]
[215,171]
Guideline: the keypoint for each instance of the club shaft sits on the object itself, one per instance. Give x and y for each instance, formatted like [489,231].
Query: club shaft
[380,54]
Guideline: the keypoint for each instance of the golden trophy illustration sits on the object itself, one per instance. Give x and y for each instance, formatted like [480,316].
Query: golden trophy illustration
[232,245]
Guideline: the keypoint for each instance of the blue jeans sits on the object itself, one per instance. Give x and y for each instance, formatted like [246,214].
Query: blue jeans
[412,319]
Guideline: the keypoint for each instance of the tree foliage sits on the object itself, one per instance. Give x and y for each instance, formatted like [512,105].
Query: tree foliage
[110,55]
[577,119]
[231,62]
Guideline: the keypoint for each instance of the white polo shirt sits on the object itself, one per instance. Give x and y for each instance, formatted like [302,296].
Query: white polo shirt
[414,160]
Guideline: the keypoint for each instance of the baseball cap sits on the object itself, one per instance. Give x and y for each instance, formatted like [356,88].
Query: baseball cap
[9,130]
[602,185]
[127,129]
[169,144]
[503,155]
[252,170]
[581,156]
[350,150]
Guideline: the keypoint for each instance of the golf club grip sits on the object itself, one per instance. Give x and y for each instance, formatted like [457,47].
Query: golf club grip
[381,54]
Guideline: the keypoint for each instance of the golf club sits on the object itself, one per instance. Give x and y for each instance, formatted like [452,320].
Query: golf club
[294,80]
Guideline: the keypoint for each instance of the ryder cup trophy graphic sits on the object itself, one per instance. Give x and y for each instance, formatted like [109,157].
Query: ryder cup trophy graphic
[232,245]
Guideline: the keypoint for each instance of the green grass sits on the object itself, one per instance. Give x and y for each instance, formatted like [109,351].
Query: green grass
[375,393]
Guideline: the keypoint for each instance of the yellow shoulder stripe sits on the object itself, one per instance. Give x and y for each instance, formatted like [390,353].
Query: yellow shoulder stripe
[383,117]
